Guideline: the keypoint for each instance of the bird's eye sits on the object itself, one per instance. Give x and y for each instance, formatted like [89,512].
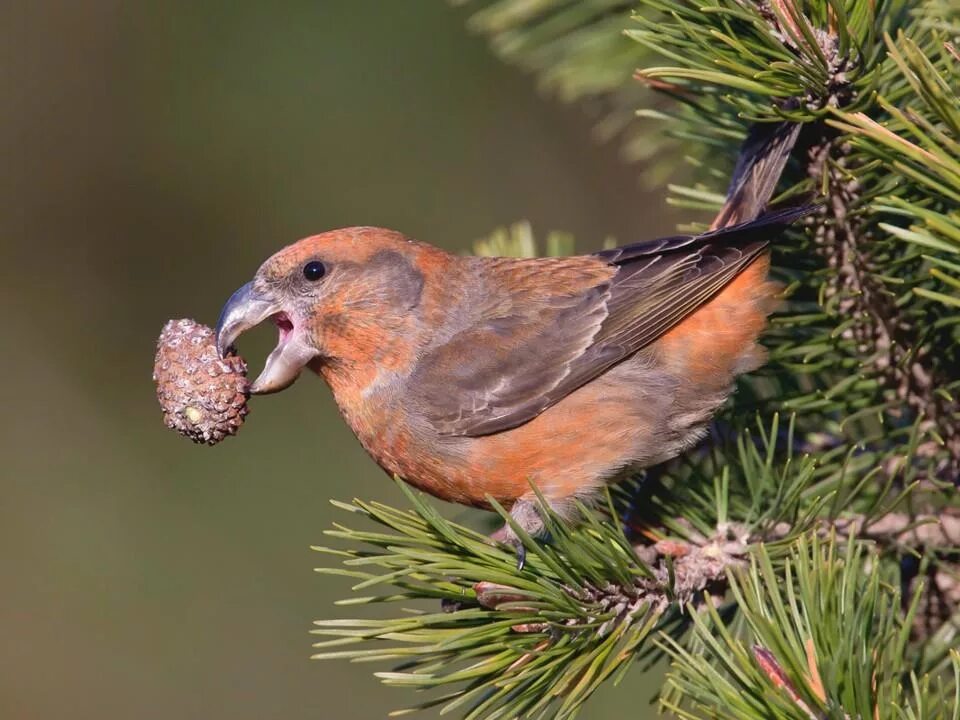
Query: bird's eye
[314,270]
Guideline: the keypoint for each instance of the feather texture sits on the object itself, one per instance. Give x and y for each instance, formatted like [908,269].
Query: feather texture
[611,305]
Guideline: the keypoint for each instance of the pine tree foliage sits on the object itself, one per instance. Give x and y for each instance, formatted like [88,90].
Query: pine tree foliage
[863,320]
[821,638]
[805,561]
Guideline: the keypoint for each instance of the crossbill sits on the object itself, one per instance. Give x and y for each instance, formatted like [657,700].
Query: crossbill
[475,377]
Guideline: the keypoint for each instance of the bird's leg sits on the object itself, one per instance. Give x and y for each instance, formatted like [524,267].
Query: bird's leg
[527,516]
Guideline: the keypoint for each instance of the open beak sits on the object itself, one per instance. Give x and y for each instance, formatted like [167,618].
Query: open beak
[249,307]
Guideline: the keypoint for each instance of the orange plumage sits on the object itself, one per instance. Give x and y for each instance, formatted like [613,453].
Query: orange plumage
[475,377]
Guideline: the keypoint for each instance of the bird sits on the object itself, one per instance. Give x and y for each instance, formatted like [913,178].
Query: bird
[477,378]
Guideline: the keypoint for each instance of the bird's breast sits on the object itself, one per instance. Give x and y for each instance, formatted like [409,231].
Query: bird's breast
[378,410]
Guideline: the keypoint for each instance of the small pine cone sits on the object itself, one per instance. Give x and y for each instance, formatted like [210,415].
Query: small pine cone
[202,396]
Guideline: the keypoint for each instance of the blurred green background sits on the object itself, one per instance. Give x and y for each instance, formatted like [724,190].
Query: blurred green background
[155,153]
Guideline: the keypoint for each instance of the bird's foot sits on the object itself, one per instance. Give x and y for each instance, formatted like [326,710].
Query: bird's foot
[527,515]
[507,536]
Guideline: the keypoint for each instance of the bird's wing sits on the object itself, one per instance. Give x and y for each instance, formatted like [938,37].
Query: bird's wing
[546,327]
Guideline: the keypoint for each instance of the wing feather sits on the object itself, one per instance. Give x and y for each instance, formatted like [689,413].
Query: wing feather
[549,326]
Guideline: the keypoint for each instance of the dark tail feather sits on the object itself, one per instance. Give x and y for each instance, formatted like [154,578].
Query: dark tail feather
[762,158]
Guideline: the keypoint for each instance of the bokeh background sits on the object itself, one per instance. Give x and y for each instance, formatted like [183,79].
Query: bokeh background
[154,153]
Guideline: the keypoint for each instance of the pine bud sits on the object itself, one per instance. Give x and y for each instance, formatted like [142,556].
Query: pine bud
[202,396]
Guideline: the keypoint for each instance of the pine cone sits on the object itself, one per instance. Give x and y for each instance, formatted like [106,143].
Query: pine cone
[202,396]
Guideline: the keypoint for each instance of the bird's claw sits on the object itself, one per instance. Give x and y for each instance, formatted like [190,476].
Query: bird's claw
[507,536]
[521,554]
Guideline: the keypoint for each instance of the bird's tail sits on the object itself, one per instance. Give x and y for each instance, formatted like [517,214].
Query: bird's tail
[760,163]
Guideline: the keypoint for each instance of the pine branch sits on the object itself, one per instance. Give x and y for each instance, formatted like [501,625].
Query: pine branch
[556,626]
[931,203]
[588,603]
[827,641]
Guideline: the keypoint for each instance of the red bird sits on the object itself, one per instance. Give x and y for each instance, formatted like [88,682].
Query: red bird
[471,377]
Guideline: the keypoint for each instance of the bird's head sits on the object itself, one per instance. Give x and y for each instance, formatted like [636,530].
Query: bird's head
[346,297]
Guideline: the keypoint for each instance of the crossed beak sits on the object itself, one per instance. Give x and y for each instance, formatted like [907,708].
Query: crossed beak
[249,307]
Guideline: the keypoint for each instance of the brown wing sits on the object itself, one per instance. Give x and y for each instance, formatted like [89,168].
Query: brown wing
[546,327]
